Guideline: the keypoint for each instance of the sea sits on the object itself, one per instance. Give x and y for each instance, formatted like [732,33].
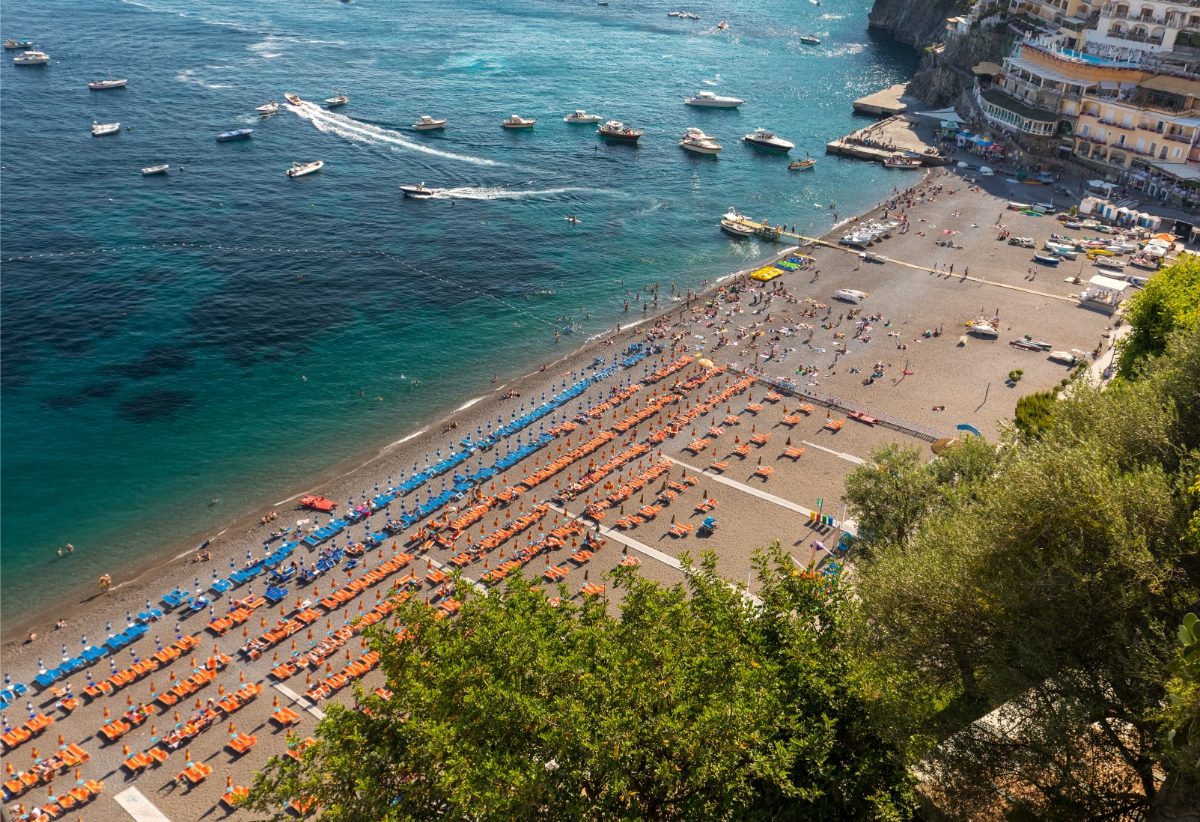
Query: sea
[181,349]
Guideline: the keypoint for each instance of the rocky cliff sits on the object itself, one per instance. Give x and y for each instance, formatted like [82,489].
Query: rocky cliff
[918,23]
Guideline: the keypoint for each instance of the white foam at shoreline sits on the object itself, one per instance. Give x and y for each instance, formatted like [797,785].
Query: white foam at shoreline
[467,405]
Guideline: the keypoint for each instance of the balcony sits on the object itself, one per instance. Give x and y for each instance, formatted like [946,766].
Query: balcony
[1136,38]
[1178,138]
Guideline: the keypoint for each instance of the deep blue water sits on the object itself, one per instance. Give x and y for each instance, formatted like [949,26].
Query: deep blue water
[143,378]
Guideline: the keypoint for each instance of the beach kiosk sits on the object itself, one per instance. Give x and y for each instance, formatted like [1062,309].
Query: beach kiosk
[1103,294]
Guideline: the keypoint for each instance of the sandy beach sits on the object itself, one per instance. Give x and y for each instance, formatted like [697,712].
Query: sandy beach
[788,329]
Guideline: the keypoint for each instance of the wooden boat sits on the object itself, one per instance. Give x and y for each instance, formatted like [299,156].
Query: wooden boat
[862,417]
[618,131]
[802,165]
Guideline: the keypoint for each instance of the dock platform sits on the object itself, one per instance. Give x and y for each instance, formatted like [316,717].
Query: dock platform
[880,140]
[886,103]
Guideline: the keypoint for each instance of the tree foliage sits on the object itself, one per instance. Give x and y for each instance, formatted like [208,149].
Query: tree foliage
[1034,412]
[692,703]
[1170,302]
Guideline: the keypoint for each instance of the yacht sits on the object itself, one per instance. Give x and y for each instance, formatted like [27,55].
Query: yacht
[706,99]
[236,134]
[268,108]
[18,44]
[418,191]
[697,142]
[427,123]
[105,85]
[581,116]
[293,99]
[301,169]
[517,121]
[616,130]
[811,39]
[160,169]
[31,58]
[100,129]
[761,138]
[339,100]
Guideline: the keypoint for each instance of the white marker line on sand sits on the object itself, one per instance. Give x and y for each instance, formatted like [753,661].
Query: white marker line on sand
[839,454]
[299,700]
[134,803]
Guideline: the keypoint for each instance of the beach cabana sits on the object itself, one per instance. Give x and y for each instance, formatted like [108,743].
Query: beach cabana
[1103,293]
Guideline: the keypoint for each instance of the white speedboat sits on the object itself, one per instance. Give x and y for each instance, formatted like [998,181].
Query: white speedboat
[811,39]
[110,83]
[301,169]
[427,123]
[983,328]
[581,116]
[1066,357]
[293,99]
[517,121]
[697,142]
[850,295]
[707,99]
[268,108]
[160,169]
[761,138]
[418,191]
[31,58]
[339,100]
[100,129]
[734,225]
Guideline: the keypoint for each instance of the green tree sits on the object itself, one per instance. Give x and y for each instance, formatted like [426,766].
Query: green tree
[1170,302]
[1034,412]
[692,703]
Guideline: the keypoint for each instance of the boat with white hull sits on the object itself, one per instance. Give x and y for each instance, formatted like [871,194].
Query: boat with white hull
[303,169]
[707,99]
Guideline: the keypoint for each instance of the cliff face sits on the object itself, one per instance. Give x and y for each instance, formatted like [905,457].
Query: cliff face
[917,23]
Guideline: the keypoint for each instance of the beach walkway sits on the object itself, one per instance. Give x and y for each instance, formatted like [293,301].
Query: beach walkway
[139,808]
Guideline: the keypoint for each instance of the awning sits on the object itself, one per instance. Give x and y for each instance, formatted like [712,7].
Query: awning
[987,68]
[1100,281]
[1101,184]
[947,114]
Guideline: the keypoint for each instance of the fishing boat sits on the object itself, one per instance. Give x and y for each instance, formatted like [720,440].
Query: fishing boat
[268,109]
[31,58]
[581,116]
[334,102]
[983,328]
[902,161]
[850,295]
[811,39]
[236,134]
[1109,262]
[1027,343]
[418,191]
[110,83]
[293,99]
[160,169]
[619,132]
[301,169]
[707,99]
[733,224]
[761,138]
[1045,259]
[697,142]
[17,44]
[100,129]
[427,123]
[806,164]
[515,121]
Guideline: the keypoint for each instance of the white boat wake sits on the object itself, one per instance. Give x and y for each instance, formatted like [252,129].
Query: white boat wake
[329,122]
[501,193]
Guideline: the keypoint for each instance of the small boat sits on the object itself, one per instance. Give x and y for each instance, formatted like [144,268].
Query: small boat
[317,503]
[1109,262]
[850,295]
[697,142]
[516,121]
[268,109]
[1066,357]
[18,44]
[301,169]
[236,134]
[707,99]
[761,138]
[110,83]
[293,99]
[427,123]
[902,161]
[802,165]
[1023,242]
[1045,259]
[863,417]
[339,100]
[31,58]
[418,191]
[616,130]
[983,328]
[733,224]
[161,169]
[870,257]
[811,39]
[1027,343]
[100,129]
[581,116]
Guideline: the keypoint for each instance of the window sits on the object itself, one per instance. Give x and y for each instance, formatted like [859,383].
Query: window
[1084,129]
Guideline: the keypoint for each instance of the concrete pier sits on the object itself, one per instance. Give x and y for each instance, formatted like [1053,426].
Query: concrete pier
[884,103]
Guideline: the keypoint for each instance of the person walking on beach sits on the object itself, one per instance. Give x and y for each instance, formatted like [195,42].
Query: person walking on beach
[105,583]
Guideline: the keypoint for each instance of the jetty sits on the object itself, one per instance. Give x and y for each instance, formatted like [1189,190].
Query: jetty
[886,103]
[879,141]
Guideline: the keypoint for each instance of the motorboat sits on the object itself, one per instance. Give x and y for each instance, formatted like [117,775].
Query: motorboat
[1064,251]
[1045,259]
[855,240]
[697,142]
[334,102]
[707,99]
[31,58]
[850,295]
[761,138]
[293,99]
[1027,343]
[870,257]
[1023,242]
[418,191]
[618,131]
[18,44]
[733,224]
[811,39]
[806,164]
[427,123]
[1068,358]
[902,161]
[107,84]
[100,129]
[301,169]
[268,109]
[983,329]
[515,121]
[236,134]
[581,116]
[160,169]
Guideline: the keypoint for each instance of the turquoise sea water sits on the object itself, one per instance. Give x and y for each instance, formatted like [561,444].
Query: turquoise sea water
[223,332]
